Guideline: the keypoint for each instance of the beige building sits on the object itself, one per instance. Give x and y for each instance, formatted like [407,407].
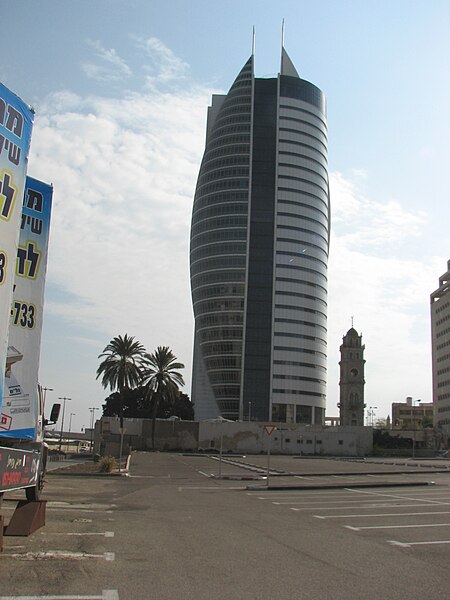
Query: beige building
[407,415]
[440,346]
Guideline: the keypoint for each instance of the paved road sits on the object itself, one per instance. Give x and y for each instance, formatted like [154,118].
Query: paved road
[171,531]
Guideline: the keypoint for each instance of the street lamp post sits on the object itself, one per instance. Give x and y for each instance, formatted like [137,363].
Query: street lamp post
[92,427]
[64,399]
[414,426]
[371,414]
[45,390]
[70,428]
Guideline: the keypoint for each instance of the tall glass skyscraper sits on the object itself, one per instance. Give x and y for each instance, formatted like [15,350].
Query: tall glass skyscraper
[259,252]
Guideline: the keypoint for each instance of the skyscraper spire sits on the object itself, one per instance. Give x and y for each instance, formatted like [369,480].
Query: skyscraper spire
[287,66]
[253,41]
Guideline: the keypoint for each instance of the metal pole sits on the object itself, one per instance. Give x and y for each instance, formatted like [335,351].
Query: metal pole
[268,461]
[62,420]
[220,453]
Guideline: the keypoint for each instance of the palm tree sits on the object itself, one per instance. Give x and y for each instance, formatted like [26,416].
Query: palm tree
[161,378]
[121,367]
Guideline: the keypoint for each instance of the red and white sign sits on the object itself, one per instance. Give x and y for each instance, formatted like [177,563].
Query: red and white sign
[269,429]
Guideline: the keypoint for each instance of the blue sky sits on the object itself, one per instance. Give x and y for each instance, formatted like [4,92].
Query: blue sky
[120,90]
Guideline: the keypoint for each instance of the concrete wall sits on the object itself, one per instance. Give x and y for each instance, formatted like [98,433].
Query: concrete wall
[235,437]
[301,439]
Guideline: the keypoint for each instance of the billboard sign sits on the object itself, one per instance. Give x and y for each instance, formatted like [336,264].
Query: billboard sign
[21,415]
[16,123]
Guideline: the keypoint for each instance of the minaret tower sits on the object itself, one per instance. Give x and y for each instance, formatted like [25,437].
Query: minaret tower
[351,405]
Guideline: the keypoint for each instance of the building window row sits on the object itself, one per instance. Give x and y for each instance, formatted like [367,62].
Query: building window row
[442,371]
[303,323]
[218,132]
[221,348]
[220,291]
[300,336]
[313,206]
[294,363]
[300,282]
[303,134]
[303,218]
[298,393]
[314,234]
[240,116]
[321,164]
[238,150]
[205,237]
[305,111]
[299,295]
[443,357]
[298,167]
[310,207]
[312,149]
[223,184]
[304,269]
[443,397]
[227,140]
[444,409]
[442,384]
[306,257]
[206,264]
[225,276]
[324,188]
[282,226]
[443,307]
[217,249]
[303,244]
[440,321]
[300,378]
[300,350]
[218,222]
[237,108]
[287,120]
[318,195]
[217,174]
[442,332]
[443,345]
[219,319]
[232,362]
[219,210]
[298,308]
[220,198]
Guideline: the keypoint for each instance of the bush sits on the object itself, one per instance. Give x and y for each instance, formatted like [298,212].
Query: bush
[107,464]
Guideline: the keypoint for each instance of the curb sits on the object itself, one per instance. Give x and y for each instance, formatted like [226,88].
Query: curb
[338,486]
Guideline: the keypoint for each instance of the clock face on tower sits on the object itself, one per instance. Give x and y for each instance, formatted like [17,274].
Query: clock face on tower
[354,372]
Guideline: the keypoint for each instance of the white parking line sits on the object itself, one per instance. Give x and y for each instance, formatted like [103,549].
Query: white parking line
[106,595]
[380,494]
[410,514]
[332,502]
[59,554]
[409,544]
[396,526]
[109,534]
[386,504]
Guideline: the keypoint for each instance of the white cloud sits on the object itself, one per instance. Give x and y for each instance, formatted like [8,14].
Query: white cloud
[376,275]
[163,66]
[109,66]
[124,173]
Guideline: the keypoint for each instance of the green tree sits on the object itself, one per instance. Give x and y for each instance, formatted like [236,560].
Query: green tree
[120,368]
[162,380]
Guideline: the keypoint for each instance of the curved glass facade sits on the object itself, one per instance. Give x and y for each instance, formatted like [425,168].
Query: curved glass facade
[259,253]
[219,246]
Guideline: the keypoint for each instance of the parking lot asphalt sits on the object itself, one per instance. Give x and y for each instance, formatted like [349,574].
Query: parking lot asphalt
[173,529]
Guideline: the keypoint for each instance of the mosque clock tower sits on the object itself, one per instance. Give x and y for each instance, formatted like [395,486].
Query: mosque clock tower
[351,405]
